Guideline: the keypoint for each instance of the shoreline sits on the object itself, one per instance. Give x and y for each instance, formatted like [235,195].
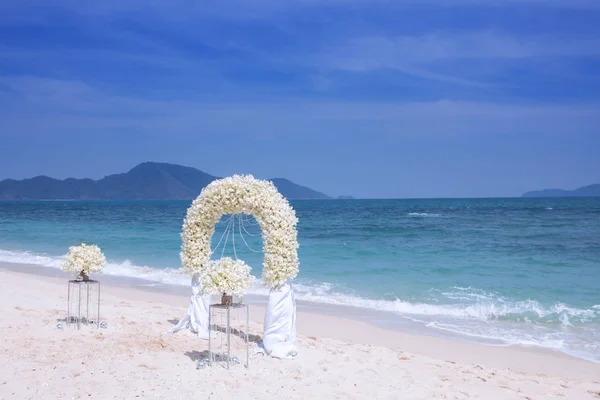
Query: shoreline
[338,357]
[364,322]
[475,323]
[387,320]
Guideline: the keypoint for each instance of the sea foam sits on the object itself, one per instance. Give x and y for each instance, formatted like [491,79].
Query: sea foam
[468,302]
[474,313]
[422,214]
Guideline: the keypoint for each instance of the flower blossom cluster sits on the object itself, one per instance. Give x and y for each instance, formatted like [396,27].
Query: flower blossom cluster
[248,195]
[226,276]
[84,258]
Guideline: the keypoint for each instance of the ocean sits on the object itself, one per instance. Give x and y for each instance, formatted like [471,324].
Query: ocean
[497,271]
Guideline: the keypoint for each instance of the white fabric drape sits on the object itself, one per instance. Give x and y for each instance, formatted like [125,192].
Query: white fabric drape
[196,319]
[280,324]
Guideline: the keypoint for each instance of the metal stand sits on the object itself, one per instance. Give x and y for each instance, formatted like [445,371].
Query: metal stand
[223,312]
[81,297]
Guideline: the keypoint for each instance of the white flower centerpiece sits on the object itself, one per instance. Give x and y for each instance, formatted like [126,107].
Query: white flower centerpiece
[248,195]
[226,277]
[83,260]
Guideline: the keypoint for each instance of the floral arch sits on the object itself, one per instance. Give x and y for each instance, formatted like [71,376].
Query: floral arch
[277,220]
[243,194]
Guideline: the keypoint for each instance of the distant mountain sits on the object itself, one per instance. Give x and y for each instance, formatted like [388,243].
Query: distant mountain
[292,191]
[345,198]
[147,181]
[586,191]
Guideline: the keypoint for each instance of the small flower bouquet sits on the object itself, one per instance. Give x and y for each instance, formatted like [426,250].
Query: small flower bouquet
[227,277]
[83,260]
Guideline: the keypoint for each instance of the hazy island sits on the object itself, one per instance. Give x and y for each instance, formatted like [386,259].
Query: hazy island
[147,181]
[585,191]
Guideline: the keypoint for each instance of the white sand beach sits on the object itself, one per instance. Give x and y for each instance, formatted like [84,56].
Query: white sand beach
[339,358]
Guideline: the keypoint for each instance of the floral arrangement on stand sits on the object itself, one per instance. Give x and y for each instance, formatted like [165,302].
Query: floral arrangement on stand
[235,195]
[83,260]
[226,277]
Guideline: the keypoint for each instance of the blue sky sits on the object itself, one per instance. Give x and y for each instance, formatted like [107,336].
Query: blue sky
[373,98]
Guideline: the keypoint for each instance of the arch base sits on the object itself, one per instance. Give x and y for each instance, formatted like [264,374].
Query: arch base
[280,324]
[196,319]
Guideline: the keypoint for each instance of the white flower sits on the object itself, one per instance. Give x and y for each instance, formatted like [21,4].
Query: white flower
[243,194]
[84,258]
[226,276]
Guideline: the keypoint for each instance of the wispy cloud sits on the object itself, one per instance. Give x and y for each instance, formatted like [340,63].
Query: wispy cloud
[75,107]
[248,9]
[385,51]
[424,56]
[121,60]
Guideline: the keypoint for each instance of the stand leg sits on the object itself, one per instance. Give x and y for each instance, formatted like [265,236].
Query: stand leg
[98,317]
[87,306]
[79,309]
[210,358]
[247,336]
[68,304]
[228,337]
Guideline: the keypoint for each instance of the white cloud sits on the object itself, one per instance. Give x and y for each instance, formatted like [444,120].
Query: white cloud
[41,105]
[377,52]
[432,56]
[354,51]
[15,11]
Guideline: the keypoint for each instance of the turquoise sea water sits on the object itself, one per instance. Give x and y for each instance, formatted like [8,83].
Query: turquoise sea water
[512,271]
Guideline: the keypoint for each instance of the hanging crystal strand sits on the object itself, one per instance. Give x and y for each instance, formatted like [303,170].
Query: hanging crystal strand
[222,236]
[228,231]
[244,240]
[233,236]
